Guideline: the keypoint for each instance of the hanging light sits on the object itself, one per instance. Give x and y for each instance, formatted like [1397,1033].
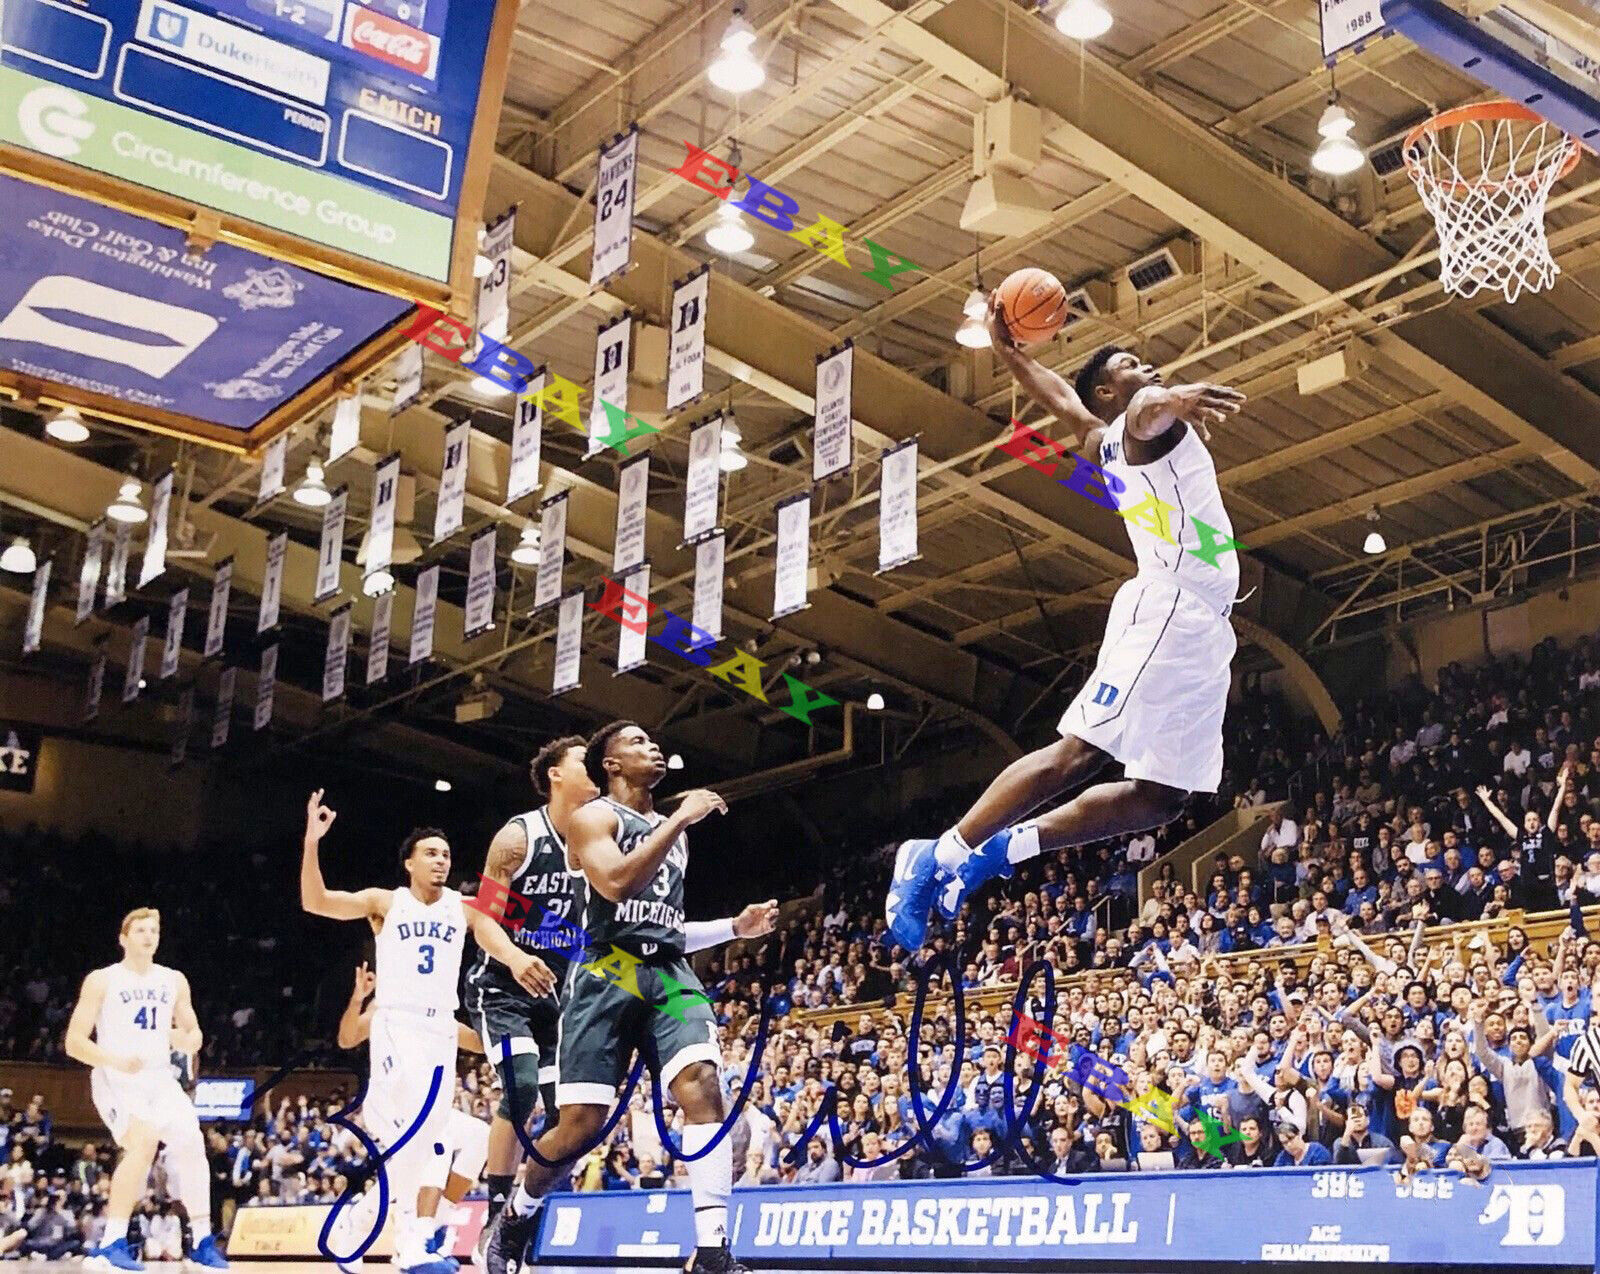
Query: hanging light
[126,507]
[674,762]
[442,785]
[313,491]
[1083,19]
[972,333]
[737,69]
[1374,543]
[874,702]
[67,426]
[378,583]
[728,234]
[732,459]
[527,551]
[18,558]
[1337,155]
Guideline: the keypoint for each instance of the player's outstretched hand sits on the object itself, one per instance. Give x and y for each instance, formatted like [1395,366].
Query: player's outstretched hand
[757,919]
[534,975]
[994,323]
[319,818]
[1206,404]
[697,803]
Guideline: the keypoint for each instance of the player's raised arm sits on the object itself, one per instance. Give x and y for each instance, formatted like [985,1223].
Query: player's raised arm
[530,971]
[1044,386]
[506,851]
[1156,408]
[355,1024]
[592,840]
[315,896]
[79,1047]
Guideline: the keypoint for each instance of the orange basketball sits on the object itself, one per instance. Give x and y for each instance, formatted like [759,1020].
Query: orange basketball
[1034,305]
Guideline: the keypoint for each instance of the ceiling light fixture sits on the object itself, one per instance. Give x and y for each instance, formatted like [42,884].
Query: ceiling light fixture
[674,762]
[728,234]
[378,583]
[18,558]
[874,702]
[442,785]
[67,426]
[1374,543]
[126,508]
[1083,19]
[313,491]
[736,69]
[1336,155]
[732,459]
[527,551]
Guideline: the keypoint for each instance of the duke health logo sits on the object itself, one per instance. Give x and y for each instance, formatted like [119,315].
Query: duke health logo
[51,118]
[169,27]
[1536,1215]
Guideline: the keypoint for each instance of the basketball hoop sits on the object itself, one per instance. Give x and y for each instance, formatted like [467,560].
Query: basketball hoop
[1485,173]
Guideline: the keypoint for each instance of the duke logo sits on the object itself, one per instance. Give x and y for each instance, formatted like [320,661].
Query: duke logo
[1537,1214]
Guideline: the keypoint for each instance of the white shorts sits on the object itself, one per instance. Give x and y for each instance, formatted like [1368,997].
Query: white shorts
[405,1049]
[152,1096]
[1159,690]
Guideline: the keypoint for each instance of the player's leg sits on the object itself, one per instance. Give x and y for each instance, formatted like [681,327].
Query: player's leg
[117,1097]
[466,1148]
[410,1065]
[190,1174]
[504,1025]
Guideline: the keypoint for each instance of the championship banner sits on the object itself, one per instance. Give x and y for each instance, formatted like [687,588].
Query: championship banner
[172,642]
[633,489]
[897,506]
[794,555]
[33,628]
[478,613]
[1348,22]
[610,379]
[552,550]
[272,583]
[89,574]
[708,556]
[273,465]
[613,207]
[569,642]
[334,659]
[427,602]
[831,434]
[117,567]
[407,378]
[222,718]
[686,355]
[522,476]
[380,529]
[330,547]
[217,614]
[345,432]
[702,486]
[266,686]
[451,506]
[180,736]
[631,637]
[133,678]
[97,681]
[494,290]
[378,645]
[155,545]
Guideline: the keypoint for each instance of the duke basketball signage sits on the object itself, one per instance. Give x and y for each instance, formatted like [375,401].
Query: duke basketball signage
[19,757]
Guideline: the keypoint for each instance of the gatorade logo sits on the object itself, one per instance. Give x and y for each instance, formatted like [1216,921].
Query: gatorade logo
[51,118]
[76,316]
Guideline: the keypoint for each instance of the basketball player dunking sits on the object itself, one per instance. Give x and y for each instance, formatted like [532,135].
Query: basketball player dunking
[421,932]
[140,1012]
[1156,698]
[632,862]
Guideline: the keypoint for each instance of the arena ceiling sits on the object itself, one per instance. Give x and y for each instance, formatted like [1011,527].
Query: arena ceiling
[1188,127]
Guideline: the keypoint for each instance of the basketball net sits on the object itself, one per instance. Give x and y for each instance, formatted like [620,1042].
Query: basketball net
[1485,172]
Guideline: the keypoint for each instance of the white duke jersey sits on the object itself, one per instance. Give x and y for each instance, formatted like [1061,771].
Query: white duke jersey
[419,953]
[136,1014]
[1185,479]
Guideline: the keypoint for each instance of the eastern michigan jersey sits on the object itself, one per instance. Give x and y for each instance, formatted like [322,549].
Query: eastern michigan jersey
[136,1013]
[650,924]
[543,879]
[419,953]
[1185,479]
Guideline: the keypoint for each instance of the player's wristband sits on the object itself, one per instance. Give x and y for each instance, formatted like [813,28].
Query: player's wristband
[700,934]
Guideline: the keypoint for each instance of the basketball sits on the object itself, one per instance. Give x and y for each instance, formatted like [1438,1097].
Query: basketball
[1034,305]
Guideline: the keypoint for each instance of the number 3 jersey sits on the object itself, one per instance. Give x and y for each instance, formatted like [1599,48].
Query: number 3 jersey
[543,880]
[650,924]
[419,951]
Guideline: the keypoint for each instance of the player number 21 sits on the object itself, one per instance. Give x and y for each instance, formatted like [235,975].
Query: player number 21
[427,958]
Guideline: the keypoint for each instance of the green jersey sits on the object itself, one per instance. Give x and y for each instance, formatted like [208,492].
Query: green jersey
[543,879]
[649,925]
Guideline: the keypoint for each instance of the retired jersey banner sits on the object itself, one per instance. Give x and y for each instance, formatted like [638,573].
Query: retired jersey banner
[451,506]
[117,567]
[522,475]
[172,642]
[613,207]
[708,555]
[273,465]
[155,545]
[337,654]
[185,723]
[217,613]
[345,432]
[33,628]
[897,506]
[407,378]
[552,550]
[478,614]
[631,637]
[569,643]
[427,602]
[610,380]
[272,583]
[97,681]
[702,486]
[222,718]
[633,490]
[378,648]
[385,499]
[133,677]
[831,437]
[330,546]
[266,686]
[794,555]
[494,289]
[89,574]
[686,355]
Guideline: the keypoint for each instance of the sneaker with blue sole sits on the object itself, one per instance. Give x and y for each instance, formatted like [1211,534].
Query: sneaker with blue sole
[431,1267]
[986,862]
[113,1256]
[438,1245]
[207,1255]
[917,877]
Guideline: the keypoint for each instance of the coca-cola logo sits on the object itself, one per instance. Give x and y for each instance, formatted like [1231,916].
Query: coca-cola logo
[393,42]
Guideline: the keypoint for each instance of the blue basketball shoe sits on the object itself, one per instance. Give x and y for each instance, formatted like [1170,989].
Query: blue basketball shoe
[207,1255]
[116,1255]
[917,875]
[982,865]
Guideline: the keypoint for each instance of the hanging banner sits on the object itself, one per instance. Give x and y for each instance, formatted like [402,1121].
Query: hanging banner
[333,661]
[522,477]
[611,346]
[172,643]
[897,506]
[686,355]
[831,435]
[19,757]
[708,583]
[330,548]
[180,737]
[427,601]
[89,574]
[569,642]
[452,502]
[117,567]
[222,718]
[407,379]
[494,289]
[346,430]
[478,613]
[794,555]
[33,628]
[266,686]
[133,678]
[613,207]
[552,550]
[378,647]
[633,489]
[272,583]
[272,469]
[217,616]
[631,637]
[380,530]
[1348,22]
[702,485]
[97,681]
[155,545]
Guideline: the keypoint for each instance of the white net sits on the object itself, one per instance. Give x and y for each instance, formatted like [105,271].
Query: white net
[1486,179]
